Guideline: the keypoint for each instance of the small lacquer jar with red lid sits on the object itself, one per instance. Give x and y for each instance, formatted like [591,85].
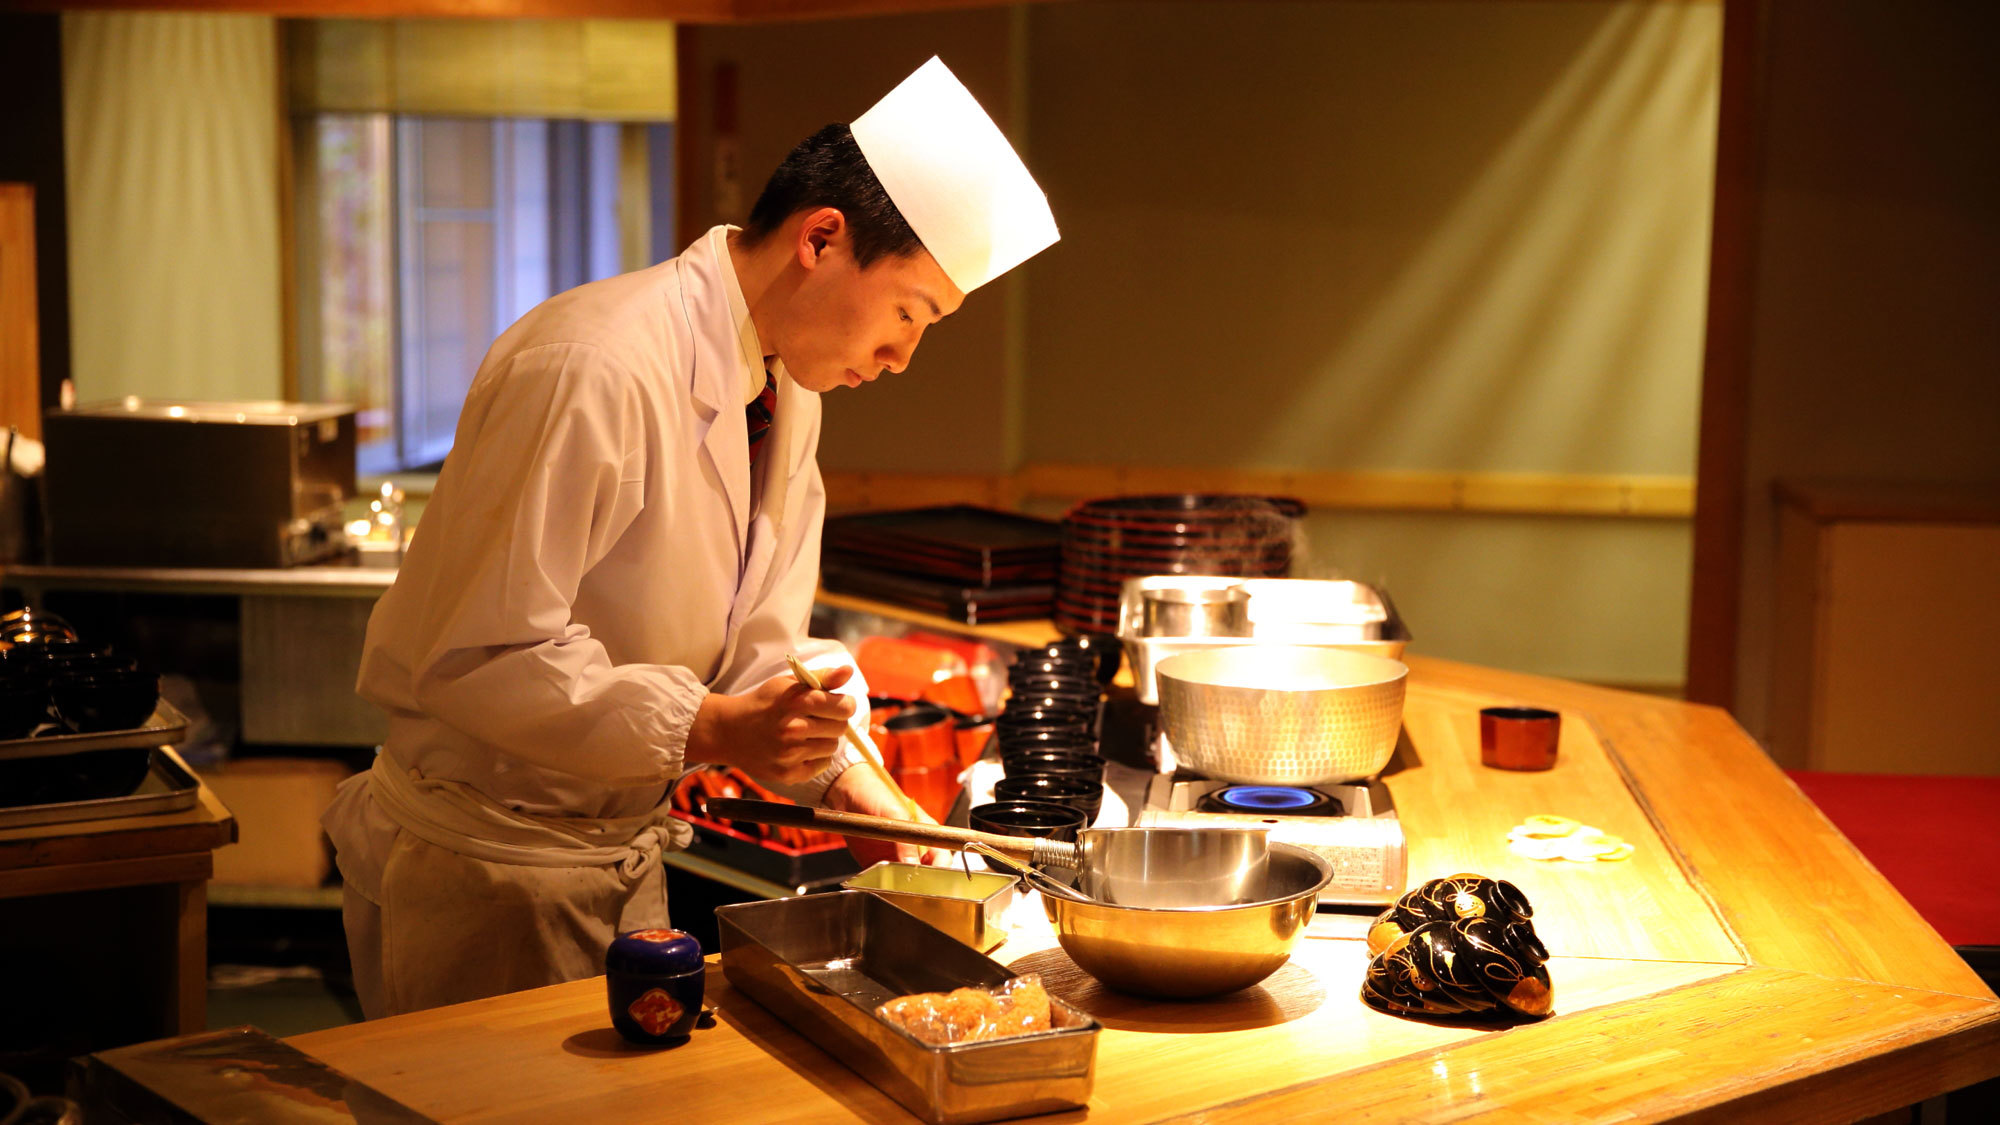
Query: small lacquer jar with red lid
[654,979]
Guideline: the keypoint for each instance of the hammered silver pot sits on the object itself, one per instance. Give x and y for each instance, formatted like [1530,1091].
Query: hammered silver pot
[1281,714]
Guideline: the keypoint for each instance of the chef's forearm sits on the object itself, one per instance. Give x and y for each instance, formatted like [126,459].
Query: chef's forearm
[565,711]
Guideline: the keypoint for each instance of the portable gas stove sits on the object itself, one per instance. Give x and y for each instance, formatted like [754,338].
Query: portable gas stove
[1353,825]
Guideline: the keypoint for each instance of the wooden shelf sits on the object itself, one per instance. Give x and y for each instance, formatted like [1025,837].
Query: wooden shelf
[1020,634]
[296,898]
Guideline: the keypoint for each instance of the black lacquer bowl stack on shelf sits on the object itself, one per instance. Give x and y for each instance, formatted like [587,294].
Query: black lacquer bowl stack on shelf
[1048,739]
[1105,542]
[57,695]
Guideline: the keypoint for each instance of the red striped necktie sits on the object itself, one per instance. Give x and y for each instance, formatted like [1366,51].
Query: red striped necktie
[757,415]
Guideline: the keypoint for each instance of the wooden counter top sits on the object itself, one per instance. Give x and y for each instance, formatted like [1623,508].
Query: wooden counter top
[1745,964]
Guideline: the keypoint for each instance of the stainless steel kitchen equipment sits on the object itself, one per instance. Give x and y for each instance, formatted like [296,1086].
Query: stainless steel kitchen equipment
[823,964]
[139,482]
[1354,827]
[1178,912]
[1130,866]
[1180,945]
[965,904]
[1317,613]
[1282,714]
[1196,606]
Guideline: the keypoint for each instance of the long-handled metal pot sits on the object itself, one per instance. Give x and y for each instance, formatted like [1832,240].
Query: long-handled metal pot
[1125,866]
[1174,912]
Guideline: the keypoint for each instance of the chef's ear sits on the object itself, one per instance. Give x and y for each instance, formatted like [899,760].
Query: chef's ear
[817,231]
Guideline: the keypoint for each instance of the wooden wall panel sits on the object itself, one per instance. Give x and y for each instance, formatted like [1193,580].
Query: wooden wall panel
[20,344]
[1713,615]
[1537,494]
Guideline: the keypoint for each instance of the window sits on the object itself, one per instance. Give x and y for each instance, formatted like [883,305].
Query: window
[423,237]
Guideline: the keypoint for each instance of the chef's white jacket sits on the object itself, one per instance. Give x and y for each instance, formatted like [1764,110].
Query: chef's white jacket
[596,558]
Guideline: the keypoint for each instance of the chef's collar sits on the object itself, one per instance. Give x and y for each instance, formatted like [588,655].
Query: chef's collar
[749,348]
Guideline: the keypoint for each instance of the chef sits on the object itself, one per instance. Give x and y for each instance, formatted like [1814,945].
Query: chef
[623,547]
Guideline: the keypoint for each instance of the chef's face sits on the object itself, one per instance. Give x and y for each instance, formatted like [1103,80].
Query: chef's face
[849,324]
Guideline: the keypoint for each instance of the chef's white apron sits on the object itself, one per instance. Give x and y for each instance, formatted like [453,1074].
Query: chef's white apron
[543,896]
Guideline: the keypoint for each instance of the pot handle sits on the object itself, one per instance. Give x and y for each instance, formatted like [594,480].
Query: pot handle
[1031,848]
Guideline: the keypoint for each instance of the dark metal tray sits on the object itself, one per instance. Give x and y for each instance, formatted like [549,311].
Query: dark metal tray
[167,727]
[823,962]
[169,787]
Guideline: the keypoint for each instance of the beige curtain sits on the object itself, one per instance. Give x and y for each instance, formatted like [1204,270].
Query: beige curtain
[170,126]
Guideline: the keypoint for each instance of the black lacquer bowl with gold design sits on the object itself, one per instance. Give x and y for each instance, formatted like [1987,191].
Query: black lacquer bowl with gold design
[1460,946]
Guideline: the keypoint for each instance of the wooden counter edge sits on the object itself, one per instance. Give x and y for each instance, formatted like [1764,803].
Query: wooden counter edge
[1787,887]
[1823,1062]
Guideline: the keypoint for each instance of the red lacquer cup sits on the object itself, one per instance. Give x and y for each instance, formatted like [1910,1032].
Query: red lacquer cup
[1518,738]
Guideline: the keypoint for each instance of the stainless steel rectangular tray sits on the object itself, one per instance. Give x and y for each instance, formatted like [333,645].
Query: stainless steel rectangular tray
[823,962]
[169,787]
[167,727]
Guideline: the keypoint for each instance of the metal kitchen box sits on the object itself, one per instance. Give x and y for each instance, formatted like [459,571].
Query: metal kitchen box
[139,482]
[822,963]
[963,903]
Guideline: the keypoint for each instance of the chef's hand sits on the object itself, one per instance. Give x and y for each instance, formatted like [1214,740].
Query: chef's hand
[858,790]
[779,731]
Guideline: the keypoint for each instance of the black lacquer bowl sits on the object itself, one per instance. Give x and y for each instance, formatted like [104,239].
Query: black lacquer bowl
[1063,762]
[1026,818]
[1080,793]
[112,699]
[1459,946]
[24,704]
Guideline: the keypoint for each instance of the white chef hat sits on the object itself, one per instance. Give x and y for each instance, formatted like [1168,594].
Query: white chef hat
[954,177]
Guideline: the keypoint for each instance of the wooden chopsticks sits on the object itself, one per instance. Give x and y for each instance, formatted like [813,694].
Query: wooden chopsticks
[868,751]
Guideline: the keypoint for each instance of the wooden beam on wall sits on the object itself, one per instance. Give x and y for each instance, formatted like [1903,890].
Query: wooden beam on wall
[1715,605]
[705,11]
[1520,494]
[689,11]
[867,492]
[20,333]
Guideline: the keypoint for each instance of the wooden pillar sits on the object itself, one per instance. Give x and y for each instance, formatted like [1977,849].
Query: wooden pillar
[20,336]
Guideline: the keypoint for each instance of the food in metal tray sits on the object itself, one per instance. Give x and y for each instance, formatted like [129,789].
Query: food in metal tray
[1461,945]
[969,1015]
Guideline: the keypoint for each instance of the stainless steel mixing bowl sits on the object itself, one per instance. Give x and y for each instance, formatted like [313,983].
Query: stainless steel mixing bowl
[1188,946]
[1281,714]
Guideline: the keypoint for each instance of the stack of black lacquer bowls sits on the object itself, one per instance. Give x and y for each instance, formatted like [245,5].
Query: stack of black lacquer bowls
[52,683]
[46,674]
[1047,734]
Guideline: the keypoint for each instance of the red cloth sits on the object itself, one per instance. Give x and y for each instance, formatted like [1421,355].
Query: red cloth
[1937,839]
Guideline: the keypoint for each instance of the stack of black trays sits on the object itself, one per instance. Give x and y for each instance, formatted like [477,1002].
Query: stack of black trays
[971,564]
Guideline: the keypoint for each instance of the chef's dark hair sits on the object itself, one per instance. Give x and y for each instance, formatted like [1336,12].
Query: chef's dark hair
[828,170]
